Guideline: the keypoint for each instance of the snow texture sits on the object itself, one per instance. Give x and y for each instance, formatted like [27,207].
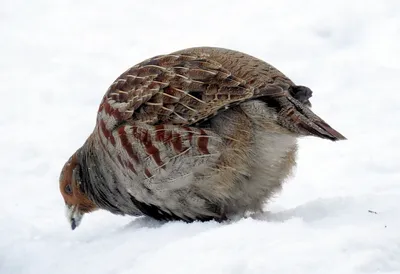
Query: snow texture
[339,213]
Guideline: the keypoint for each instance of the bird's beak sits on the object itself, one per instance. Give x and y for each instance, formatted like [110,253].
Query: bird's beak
[74,216]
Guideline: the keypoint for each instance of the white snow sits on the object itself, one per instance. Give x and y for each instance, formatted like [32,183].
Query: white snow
[59,57]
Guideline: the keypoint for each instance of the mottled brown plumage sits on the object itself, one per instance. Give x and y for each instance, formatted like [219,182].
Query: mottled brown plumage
[198,134]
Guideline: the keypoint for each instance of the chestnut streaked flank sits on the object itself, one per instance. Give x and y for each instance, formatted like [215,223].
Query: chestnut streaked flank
[198,134]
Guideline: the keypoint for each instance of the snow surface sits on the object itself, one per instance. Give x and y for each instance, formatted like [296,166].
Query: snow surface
[338,214]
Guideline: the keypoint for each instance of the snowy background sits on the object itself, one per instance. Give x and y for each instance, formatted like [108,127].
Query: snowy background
[59,57]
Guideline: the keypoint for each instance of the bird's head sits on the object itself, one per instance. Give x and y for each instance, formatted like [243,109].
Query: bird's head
[76,202]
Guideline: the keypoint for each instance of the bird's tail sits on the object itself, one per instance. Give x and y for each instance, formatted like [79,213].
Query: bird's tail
[294,114]
[299,118]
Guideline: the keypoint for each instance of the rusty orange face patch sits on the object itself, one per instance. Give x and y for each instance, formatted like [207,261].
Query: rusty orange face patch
[69,187]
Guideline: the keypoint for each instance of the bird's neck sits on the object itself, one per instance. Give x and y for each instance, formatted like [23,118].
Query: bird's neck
[96,181]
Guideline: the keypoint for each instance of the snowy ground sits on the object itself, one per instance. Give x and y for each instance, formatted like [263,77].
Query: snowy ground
[58,58]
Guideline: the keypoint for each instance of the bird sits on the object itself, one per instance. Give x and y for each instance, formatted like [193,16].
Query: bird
[200,134]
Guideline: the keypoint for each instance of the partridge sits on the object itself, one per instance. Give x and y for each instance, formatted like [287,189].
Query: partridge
[199,134]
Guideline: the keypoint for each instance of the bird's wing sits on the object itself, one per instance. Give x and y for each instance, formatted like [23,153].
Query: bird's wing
[180,89]
[187,87]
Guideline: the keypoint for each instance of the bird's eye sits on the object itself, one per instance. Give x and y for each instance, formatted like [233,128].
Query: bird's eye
[68,189]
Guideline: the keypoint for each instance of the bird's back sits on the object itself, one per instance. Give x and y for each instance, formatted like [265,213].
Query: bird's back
[254,71]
